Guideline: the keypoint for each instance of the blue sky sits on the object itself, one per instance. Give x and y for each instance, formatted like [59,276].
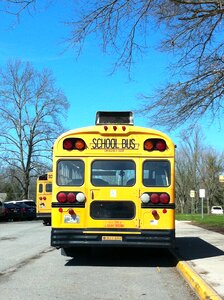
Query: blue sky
[38,38]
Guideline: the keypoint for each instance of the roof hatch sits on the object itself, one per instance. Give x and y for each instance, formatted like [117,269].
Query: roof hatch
[114,117]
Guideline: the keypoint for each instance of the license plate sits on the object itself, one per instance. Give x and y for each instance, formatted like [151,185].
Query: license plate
[71,219]
[111,238]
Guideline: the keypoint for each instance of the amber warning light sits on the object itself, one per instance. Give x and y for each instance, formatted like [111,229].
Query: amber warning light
[74,144]
[155,144]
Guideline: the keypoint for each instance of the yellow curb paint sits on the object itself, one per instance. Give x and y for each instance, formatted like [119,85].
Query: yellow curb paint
[203,290]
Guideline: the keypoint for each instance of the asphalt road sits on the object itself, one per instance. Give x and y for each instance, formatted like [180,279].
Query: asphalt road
[31,269]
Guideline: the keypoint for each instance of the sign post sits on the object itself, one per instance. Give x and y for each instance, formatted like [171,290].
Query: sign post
[202,196]
[192,195]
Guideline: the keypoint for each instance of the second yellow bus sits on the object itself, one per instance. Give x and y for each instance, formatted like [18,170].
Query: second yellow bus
[44,198]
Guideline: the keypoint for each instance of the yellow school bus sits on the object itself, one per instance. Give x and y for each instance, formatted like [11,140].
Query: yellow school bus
[113,186]
[44,198]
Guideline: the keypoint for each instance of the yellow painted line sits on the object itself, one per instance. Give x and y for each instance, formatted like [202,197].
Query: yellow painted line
[203,290]
[110,232]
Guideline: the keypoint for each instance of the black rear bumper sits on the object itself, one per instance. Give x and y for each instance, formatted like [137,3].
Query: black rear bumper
[69,238]
[43,216]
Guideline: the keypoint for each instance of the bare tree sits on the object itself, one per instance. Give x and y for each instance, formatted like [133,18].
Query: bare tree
[183,182]
[31,111]
[211,167]
[197,167]
[191,30]
[188,170]
[123,27]
[16,7]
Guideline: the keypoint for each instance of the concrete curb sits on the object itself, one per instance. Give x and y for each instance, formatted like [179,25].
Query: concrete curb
[202,289]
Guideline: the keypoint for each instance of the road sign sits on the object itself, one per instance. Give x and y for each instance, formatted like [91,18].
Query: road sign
[192,193]
[221,178]
[202,196]
[202,193]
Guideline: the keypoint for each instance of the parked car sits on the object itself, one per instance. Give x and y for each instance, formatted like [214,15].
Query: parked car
[28,202]
[217,210]
[12,212]
[2,210]
[27,212]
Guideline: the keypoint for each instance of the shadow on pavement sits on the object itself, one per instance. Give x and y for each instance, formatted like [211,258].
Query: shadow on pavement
[190,248]
[123,257]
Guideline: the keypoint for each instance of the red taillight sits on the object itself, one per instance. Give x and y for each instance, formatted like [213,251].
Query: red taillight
[62,197]
[60,210]
[71,197]
[164,198]
[154,198]
[123,128]
[68,144]
[44,198]
[161,145]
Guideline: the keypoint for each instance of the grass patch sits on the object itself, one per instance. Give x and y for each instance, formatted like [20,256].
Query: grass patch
[212,222]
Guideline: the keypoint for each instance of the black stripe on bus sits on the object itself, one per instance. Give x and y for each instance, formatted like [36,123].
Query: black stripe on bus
[146,205]
[76,204]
